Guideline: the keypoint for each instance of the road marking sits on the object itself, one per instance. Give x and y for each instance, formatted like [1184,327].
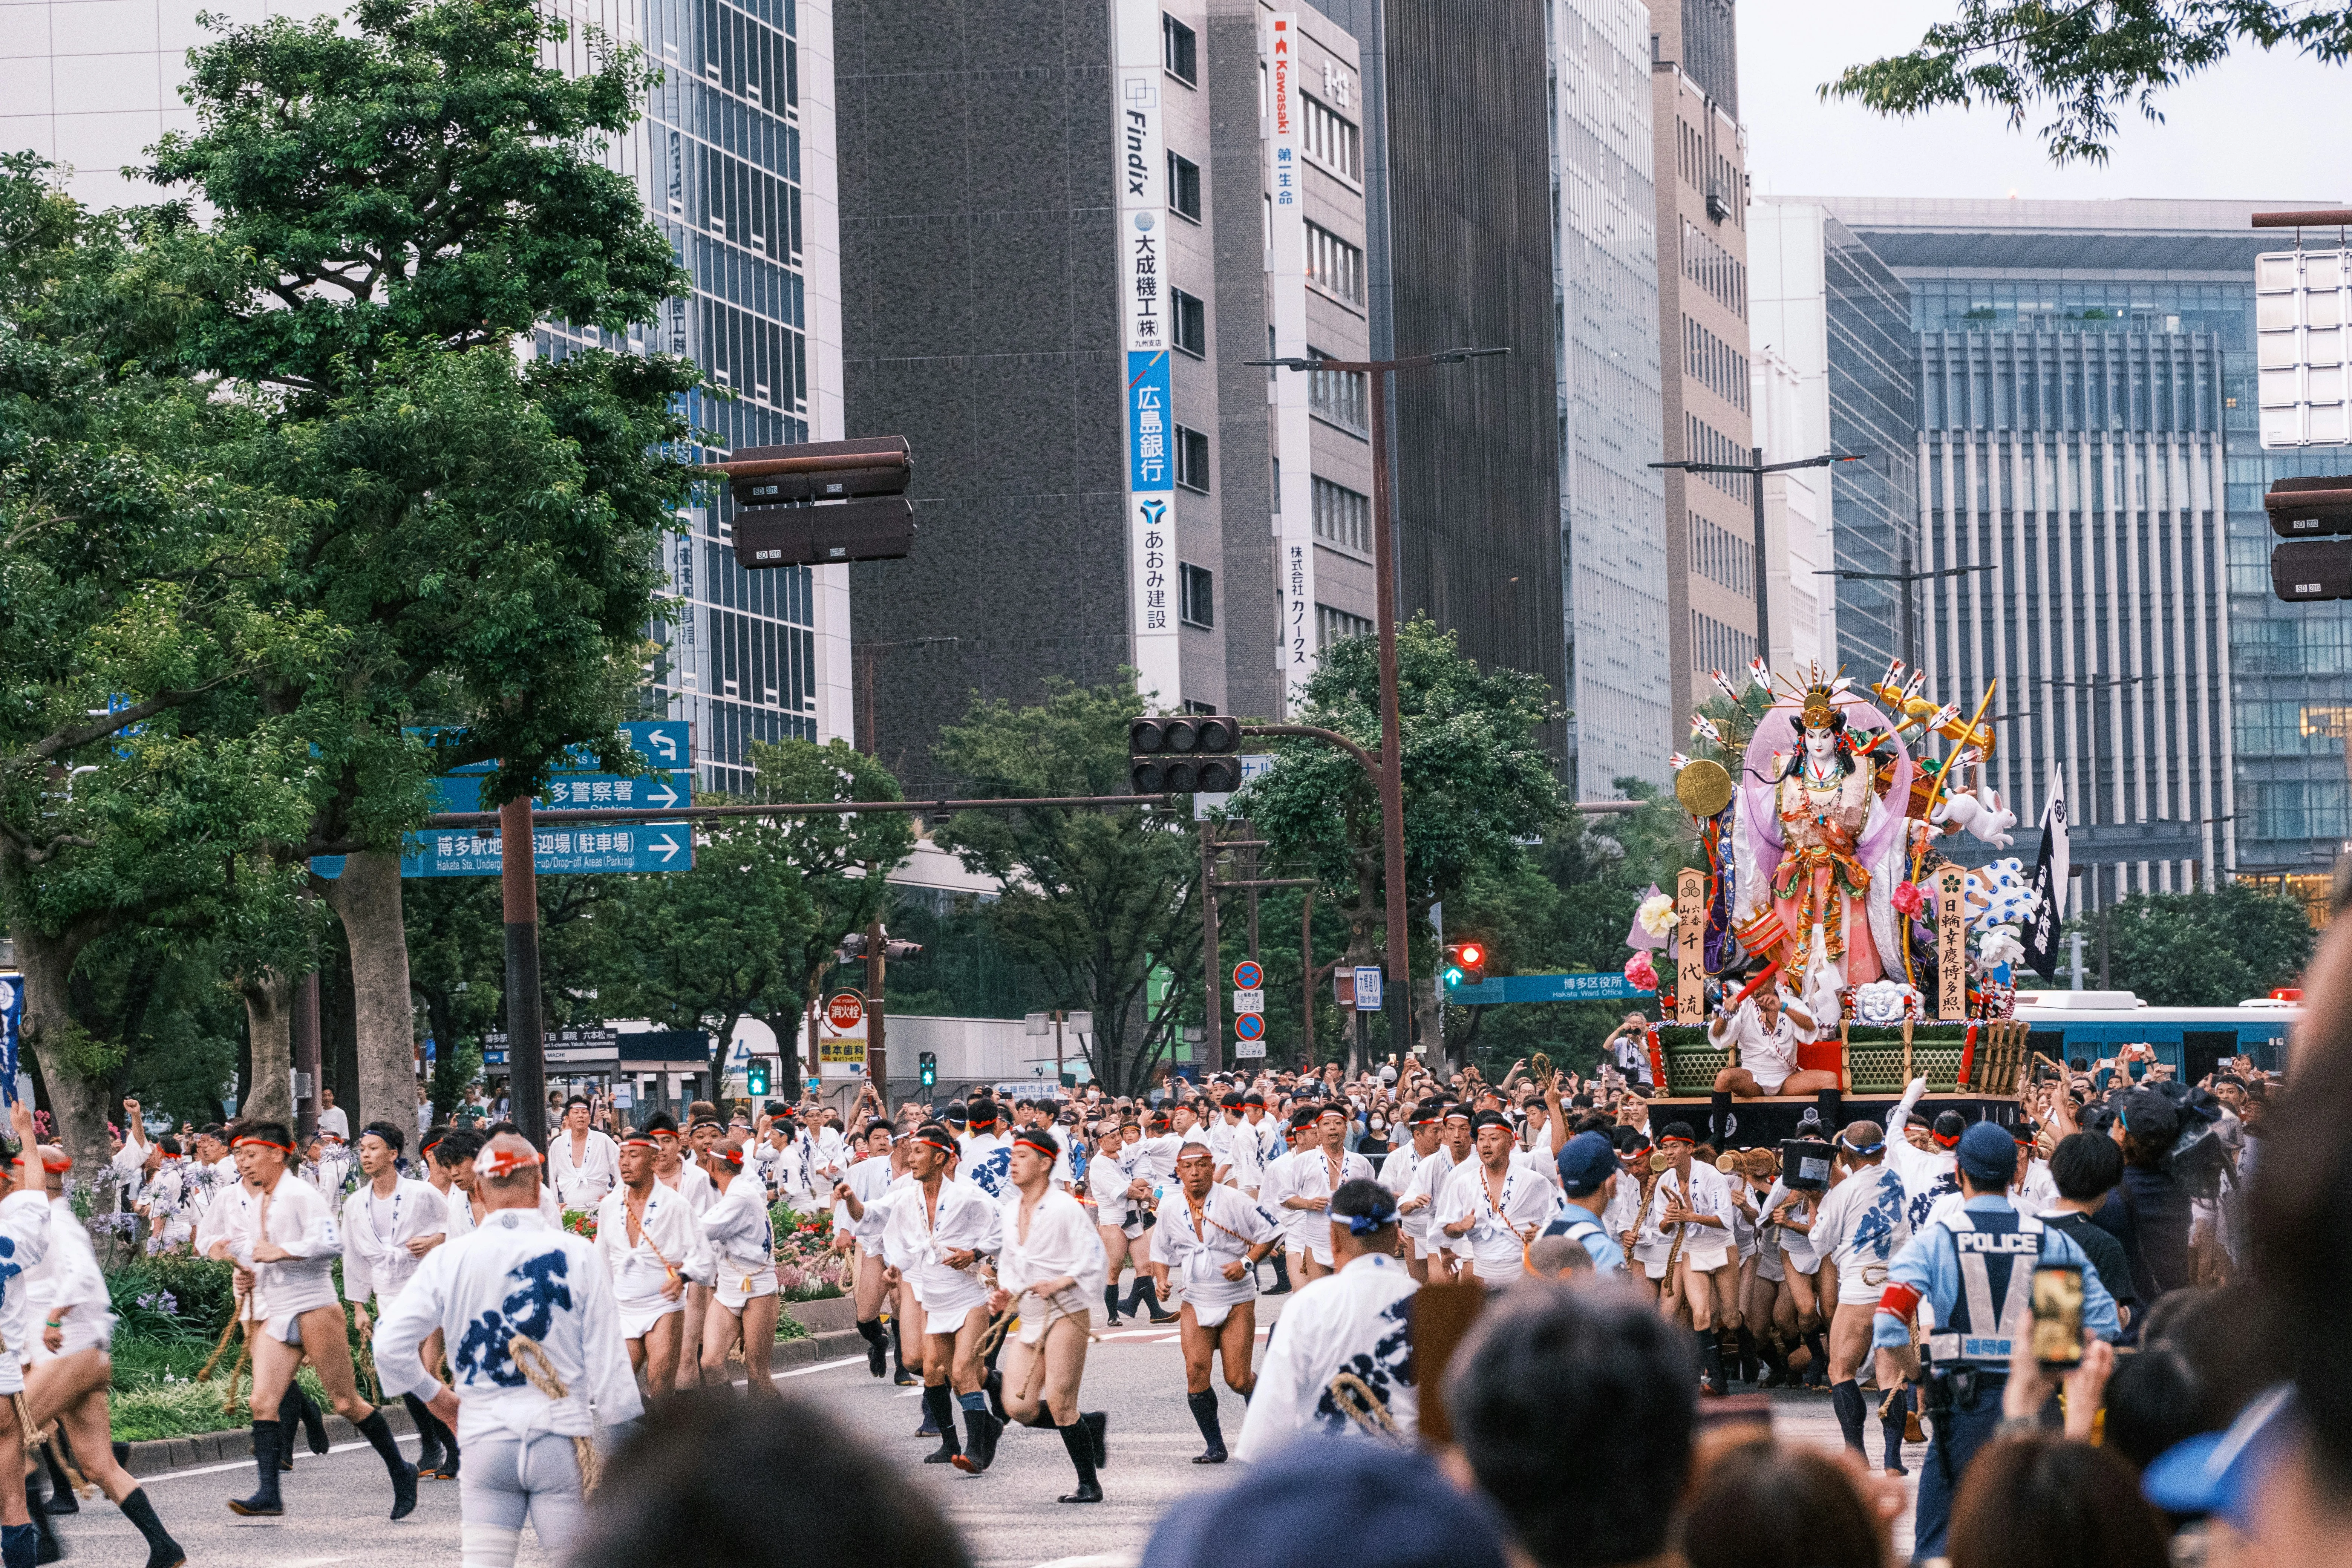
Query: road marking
[247,1464]
[825,1366]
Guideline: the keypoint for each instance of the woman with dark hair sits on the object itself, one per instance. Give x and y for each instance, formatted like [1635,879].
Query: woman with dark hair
[1755,1503]
[2048,1502]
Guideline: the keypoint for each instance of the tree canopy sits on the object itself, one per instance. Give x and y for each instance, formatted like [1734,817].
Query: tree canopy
[2210,948]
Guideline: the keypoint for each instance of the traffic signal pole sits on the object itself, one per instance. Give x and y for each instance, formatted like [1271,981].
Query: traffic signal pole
[877,1057]
[526,1037]
[1213,1028]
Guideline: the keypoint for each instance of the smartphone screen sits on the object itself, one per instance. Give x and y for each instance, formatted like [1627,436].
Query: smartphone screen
[2058,1317]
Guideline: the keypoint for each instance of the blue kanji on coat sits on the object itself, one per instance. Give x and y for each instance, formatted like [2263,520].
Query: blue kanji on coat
[529,1312]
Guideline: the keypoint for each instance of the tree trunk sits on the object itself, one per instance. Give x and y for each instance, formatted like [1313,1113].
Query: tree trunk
[78,1107]
[266,1094]
[367,899]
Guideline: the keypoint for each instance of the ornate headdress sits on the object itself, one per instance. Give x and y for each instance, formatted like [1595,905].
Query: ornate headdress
[1819,713]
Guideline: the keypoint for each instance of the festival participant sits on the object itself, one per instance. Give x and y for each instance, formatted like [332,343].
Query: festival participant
[1795,1316]
[1690,1214]
[453,1166]
[537,1369]
[1971,1269]
[651,1245]
[1398,1167]
[1763,1033]
[1588,1168]
[583,1164]
[1927,1161]
[285,1251]
[389,1225]
[72,1365]
[853,1195]
[940,1227]
[1863,1222]
[1429,1181]
[988,1151]
[744,1303]
[1118,1217]
[26,1223]
[1320,1165]
[677,1167]
[1493,1207]
[1212,1238]
[1339,1359]
[1049,1264]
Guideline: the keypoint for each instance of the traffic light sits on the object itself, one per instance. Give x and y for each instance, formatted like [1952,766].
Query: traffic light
[852,949]
[895,949]
[927,1068]
[1184,753]
[1465,964]
[2309,566]
[755,1079]
[867,477]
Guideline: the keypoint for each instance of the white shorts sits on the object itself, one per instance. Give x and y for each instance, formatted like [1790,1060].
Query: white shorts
[1863,1286]
[1705,1260]
[735,1288]
[639,1316]
[1212,1303]
[1806,1264]
[1306,1244]
[1037,1314]
[1770,1086]
[1769,1266]
[77,1333]
[950,1300]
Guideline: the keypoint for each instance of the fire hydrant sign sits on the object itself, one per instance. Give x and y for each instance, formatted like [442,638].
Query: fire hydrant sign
[845,1011]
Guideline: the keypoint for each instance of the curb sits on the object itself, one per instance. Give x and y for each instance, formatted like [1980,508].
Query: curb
[162,1454]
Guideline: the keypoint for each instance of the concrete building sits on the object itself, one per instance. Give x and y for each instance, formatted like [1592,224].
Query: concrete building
[2088,432]
[735,157]
[1702,198]
[1605,292]
[1838,321]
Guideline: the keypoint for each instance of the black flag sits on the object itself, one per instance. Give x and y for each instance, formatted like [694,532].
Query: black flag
[2049,915]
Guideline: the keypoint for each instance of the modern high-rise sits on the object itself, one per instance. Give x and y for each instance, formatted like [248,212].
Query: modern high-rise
[1702,201]
[1619,681]
[2091,470]
[735,158]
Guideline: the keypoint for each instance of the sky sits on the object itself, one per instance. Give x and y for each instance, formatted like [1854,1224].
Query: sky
[2257,127]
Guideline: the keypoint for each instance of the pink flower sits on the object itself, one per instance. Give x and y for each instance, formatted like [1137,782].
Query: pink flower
[1640,973]
[1907,898]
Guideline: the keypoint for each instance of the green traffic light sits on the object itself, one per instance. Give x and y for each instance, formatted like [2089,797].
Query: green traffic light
[1454,976]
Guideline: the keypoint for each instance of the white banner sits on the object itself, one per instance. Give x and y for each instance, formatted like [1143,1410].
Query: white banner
[1142,175]
[1294,523]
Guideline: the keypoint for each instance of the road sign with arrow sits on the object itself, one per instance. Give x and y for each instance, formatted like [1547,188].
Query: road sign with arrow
[556,848]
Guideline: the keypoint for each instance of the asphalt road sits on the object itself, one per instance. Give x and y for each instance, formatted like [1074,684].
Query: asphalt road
[336,1506]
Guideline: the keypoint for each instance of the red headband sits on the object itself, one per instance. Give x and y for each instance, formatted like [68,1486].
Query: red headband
[261,1143]
[495,1163]
[732,1156]
[57,1167]
[1943,1142]
[639,1140]
[1030,1138]
[944,1146]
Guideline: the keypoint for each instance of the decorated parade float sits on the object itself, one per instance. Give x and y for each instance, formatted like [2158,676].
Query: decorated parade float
[1818,804]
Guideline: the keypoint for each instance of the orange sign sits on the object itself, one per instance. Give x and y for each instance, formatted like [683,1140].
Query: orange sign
[845,1011]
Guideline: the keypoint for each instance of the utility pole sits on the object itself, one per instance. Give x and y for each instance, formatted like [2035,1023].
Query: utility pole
[307,1054]
[1755,469]
[1905,577]
[1212,1026]
[526,1032]
[878,1055]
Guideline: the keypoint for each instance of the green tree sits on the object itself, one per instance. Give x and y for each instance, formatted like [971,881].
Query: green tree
[386,208]
[1477,784]
[1096,900]
[2078,64]
[2211,948]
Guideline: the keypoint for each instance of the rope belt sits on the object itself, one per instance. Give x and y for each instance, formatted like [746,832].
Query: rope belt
[1356,1401]
[531,1356]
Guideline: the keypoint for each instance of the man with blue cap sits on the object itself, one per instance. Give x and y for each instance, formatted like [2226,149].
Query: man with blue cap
[1972,1268]
[1588,1179]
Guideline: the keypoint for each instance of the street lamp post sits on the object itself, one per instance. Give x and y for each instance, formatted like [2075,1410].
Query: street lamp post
[1907,577]
[1755,470]
[1396,999]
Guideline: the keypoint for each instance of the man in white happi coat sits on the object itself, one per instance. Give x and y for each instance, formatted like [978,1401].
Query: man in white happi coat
[742,1242]
[1339,1360]
[940,1227]
[651,1244]
[536,1360]
[24,1228]
[856,1215]
[389,1224]
[1049,1264]
[1493,1205]
[1429,1181]
[583,1164]
[1210,1239]
[1398,1168]
[1320,1166]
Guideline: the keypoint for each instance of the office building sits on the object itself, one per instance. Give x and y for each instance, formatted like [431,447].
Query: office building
[2084,374]
[1620,681]
[1831,328]
[735,158]
[1700,156]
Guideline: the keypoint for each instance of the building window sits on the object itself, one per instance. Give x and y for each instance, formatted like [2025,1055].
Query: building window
[1190,324]
[1715,645]
[1331,141]
[1196,595]
[1343,517]
[1180,51]
[1337,625]
[1335,265]
[1191,458]
[1184,185]
[1337,395]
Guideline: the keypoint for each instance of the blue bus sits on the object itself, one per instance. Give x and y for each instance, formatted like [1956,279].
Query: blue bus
[2069,1025]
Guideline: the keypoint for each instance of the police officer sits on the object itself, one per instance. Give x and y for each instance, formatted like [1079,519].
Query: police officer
[1973,1269]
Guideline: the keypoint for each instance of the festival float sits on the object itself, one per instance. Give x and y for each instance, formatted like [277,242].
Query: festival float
[1819,805]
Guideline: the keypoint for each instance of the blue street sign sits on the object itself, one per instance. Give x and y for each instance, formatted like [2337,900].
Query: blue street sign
[575,791]
[1368,988]
[556,849]
[1544,988]
[661,742]
[1249,1027]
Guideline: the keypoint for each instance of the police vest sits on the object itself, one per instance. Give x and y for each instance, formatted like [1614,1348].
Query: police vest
[1993,1306]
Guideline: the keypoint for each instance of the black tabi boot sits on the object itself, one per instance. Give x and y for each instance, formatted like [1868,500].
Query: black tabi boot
[1772,1354]
[1281,1272]
[1894,1414]
[162,1551]
[1111,1305]
[1817,1370]
[378,1432]
[428,1438]
[900,1376]
[62,1492]
[1079,1440]
[1845,1398]
[290,1417]
[50,1549]
[1710,1361]
[994,1384]
[1098,1423]
[267,1436]
[939,1405]
[1146,1290]
[1751,1357]
[1204,1415]
[981,1429]
[314,1421]
[449,1435]
[877,1349]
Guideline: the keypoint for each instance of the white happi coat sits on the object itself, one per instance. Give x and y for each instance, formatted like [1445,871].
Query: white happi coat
[1358,1322]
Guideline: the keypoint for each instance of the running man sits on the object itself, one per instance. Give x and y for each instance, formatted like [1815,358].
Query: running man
[1210,1239]
[1049,1264]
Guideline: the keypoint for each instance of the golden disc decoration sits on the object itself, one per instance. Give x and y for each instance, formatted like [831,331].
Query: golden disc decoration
[1703,787]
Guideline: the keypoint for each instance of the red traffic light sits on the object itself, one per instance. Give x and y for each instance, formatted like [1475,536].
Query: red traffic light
[1472,955]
